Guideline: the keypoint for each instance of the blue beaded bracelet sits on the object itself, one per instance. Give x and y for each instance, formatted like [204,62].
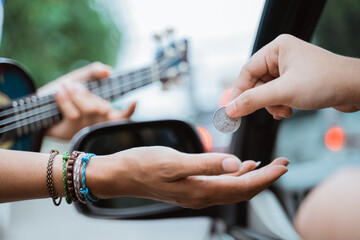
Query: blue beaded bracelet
[84,190]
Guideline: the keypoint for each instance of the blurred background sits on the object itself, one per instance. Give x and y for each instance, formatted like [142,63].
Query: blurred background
[51,38]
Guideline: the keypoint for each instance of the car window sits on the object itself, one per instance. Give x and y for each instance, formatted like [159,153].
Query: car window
[320,142]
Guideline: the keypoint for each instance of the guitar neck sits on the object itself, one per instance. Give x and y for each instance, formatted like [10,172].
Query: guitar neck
[33,113]
[116,86]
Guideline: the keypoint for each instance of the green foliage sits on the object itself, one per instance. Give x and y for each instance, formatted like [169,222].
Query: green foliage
[339,27]
[54,37]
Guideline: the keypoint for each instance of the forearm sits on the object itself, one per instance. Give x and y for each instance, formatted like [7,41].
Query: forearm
[23,175]
[159,173]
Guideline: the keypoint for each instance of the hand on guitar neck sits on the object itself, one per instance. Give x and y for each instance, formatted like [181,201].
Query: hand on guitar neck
[79,107]
[64,106]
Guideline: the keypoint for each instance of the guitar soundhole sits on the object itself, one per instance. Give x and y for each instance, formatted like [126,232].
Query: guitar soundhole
[4,144]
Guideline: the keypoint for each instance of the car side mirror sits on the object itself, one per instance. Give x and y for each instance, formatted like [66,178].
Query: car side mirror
[111,137]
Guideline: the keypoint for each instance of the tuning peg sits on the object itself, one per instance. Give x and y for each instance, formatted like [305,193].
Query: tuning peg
[169,34]
[170,31]
[157,37]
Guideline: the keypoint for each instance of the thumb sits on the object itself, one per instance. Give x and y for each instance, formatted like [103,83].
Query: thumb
[209,164]
[268,94]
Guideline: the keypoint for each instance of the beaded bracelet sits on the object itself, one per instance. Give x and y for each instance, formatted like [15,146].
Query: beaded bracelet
[84,190]
[50,177]
[69,175]
[76,177]
[66,156]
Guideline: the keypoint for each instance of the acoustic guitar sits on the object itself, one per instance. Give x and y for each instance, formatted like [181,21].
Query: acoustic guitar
[24,115]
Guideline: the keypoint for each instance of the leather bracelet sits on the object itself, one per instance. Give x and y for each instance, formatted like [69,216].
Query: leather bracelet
[66,156]
[69,175]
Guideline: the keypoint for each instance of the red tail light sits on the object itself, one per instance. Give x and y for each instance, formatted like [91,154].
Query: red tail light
[206,138]
[335,139]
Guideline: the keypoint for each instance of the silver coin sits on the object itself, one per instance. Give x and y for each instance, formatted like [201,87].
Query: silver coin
[224,123]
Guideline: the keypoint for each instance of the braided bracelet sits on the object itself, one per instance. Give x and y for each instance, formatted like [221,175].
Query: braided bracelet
[76,178]
[84,190]
[66,156]
[50,177]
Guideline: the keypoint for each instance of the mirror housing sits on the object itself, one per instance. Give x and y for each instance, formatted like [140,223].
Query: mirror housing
[111,137]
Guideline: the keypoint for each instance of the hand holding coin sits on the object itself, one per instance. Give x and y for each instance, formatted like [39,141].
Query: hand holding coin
[224,123]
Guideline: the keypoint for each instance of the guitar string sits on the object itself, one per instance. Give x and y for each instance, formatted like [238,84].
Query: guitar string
[37,111]
[125,87]
[33,124]
[50,98]
[33,119]
[26,121]
[44,108]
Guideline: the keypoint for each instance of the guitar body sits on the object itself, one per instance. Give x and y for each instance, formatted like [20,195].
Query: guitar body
[15,82]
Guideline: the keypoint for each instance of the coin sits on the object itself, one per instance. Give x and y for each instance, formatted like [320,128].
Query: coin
[224,123]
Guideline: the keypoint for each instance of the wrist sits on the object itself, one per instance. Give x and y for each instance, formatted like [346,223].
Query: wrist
[105,176]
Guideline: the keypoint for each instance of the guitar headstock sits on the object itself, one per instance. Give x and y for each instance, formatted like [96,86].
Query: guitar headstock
[171,58]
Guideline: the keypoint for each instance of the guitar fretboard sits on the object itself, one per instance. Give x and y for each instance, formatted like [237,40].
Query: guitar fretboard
[33,113]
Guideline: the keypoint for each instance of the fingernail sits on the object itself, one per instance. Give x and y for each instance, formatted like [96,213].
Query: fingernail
[277,117]
[283,115]
[231,108]
[105,73]
[288,161]
[231,165]
[258,163]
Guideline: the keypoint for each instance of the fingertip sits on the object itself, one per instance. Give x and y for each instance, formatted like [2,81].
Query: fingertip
[133,107]
[103,74]
[276,171]
[102,71]
[98,70]
[277,117]
[280,161]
